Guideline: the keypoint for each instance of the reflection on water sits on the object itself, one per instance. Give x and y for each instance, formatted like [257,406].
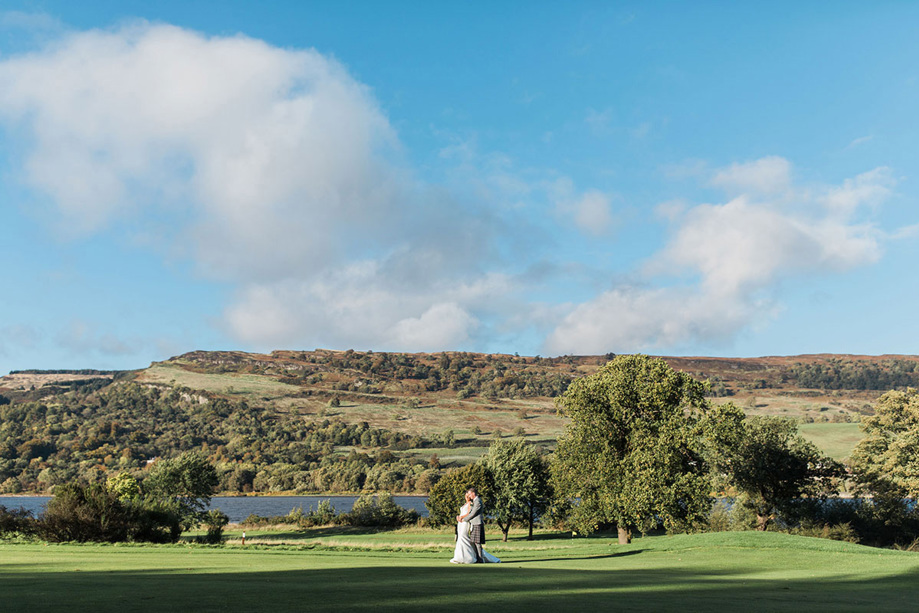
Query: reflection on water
[240,507]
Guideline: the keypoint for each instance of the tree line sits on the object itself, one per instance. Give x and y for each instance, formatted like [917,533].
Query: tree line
[88,435]
[466,374]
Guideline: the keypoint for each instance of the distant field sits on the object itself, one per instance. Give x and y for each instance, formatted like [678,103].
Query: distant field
[836,440]
[409,571]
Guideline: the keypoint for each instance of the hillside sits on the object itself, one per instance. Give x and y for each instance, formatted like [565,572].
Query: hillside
[326,420]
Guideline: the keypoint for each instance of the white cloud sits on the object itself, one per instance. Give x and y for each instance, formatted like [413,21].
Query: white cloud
[442,325]
[367,305]
[871,188]
[274,150]
[861,140]
[32,22]
[731,256]
[272,168]
[741,245]
[642,318]
[598,121]
[672,209]
[590,210]
[768,175]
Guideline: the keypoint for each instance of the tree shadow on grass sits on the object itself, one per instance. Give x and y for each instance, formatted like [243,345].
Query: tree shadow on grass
[495,588]
[561,557]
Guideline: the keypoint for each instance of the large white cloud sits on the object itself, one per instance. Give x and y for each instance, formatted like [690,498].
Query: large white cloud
[361,305]
[272,168]
[729,256]
[273,150]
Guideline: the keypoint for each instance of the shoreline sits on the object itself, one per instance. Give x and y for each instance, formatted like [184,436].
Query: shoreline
[256,495]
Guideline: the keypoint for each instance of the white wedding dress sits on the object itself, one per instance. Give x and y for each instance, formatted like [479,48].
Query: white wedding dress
[465,550]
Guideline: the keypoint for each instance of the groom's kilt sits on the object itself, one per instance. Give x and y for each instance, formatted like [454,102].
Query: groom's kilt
[477,534]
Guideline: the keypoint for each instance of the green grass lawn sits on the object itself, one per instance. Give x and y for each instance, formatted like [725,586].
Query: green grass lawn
[835,440]
[408,570]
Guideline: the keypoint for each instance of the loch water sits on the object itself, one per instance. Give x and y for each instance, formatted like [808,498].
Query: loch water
[238,508]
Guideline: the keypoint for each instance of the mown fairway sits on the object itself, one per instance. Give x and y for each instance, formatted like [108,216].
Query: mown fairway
[408,571]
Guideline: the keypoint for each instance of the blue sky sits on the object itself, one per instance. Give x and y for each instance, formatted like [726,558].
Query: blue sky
[542,178]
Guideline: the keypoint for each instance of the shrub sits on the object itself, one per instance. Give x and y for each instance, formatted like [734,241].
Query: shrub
[215,520]
[379,511]
[837,532]
[85,513]
[16,522]
[323,515]
[96,513]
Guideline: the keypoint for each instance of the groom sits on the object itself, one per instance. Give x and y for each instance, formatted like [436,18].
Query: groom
[476,524]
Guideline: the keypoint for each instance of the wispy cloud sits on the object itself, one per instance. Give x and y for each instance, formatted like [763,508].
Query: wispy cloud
[17,338]
[861,140]
[83,338]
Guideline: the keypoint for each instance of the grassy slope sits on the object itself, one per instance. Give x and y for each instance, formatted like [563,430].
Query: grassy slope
[836,440]
[436,414]
[386,572]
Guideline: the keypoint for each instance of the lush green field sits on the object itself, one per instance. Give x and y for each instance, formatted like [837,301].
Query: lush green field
[409,571]
[836,440]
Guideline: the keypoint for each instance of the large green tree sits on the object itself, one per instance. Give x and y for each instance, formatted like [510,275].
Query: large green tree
[188,479]
[887,458]
[632,451]
[521,483]
[766,461]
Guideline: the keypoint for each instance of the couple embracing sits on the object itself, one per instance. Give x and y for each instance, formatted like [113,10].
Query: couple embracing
[470,532]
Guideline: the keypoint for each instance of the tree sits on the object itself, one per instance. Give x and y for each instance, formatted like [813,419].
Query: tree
[446,497]
[767,461]
[887,458]
[632,451]
[886,466]
[188,479]
[521,483]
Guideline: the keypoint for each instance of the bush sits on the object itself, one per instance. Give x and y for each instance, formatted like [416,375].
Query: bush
[837,532]
[96,513]
[719,518]
[379,511]
[16,522]
[215,520]
[155,521]
[85,513]
[323,515]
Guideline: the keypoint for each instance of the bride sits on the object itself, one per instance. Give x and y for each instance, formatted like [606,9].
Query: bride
[465,550]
